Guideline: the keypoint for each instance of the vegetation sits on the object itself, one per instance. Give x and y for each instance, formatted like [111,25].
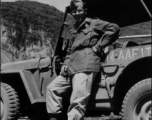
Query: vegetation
[30,26]
[137,29]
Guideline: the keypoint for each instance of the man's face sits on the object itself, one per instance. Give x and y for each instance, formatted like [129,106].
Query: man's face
[78,13]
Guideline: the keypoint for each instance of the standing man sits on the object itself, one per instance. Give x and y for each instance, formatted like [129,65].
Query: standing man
[82,63]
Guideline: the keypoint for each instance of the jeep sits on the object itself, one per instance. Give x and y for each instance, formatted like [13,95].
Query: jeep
[121,91]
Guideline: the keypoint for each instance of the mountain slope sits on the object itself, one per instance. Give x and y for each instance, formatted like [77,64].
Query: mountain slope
[32,16]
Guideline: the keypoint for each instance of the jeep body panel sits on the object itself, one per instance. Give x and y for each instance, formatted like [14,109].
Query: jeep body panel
[35,75]
[26,64]
[28,81]
[123,57]
[116,62]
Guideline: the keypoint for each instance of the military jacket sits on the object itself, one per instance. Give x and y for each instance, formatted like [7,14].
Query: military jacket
[92,32]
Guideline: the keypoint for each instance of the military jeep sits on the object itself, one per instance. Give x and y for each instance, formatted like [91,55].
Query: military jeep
[121,91]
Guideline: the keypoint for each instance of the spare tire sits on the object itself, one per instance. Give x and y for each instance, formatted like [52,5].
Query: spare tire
[137,104]
[9,102]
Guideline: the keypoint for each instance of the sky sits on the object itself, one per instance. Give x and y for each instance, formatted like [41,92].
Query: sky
[59,4]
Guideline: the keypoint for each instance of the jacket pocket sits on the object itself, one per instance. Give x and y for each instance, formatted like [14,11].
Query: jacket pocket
[86,39]
[82,40]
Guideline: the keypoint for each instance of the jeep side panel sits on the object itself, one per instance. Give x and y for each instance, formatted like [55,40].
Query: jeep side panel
[123,68]
[33,79]
[22,79]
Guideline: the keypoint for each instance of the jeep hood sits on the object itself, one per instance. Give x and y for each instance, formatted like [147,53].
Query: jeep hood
[26,64]
[122,12]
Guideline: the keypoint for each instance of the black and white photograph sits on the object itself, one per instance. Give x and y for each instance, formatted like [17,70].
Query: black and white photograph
[76,60]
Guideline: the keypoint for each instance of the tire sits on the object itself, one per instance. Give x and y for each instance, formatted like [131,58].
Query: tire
[137,104]
[9,102]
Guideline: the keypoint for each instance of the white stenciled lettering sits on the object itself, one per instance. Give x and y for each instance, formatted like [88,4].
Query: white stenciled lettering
[121,55]
[134,53]
[128,55]
[112,56]
[142,52]
[148,50]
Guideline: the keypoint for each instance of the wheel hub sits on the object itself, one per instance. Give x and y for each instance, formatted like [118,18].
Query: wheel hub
[144,111]
[2,108]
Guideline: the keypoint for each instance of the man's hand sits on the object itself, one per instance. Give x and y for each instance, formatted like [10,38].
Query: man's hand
[64,70]
[94,49]
[98,51]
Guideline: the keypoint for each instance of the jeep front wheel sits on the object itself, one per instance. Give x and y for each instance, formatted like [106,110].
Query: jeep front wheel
[9,102]
[137,104]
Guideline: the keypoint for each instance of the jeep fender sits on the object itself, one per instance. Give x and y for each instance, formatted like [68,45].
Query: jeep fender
[24,83]
[132,73]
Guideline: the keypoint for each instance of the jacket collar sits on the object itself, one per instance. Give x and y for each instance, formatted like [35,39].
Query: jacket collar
[75,29]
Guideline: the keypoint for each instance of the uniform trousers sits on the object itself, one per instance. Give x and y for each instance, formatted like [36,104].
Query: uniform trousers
[81,84]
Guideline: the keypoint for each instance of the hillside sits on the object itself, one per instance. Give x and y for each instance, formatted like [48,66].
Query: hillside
[28,24]
[137,29]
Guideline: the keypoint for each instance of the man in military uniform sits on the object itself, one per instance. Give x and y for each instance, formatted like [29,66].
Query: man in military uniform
[88,39]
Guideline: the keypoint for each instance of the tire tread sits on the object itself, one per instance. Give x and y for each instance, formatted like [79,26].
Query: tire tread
[13,101]
[139,84]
